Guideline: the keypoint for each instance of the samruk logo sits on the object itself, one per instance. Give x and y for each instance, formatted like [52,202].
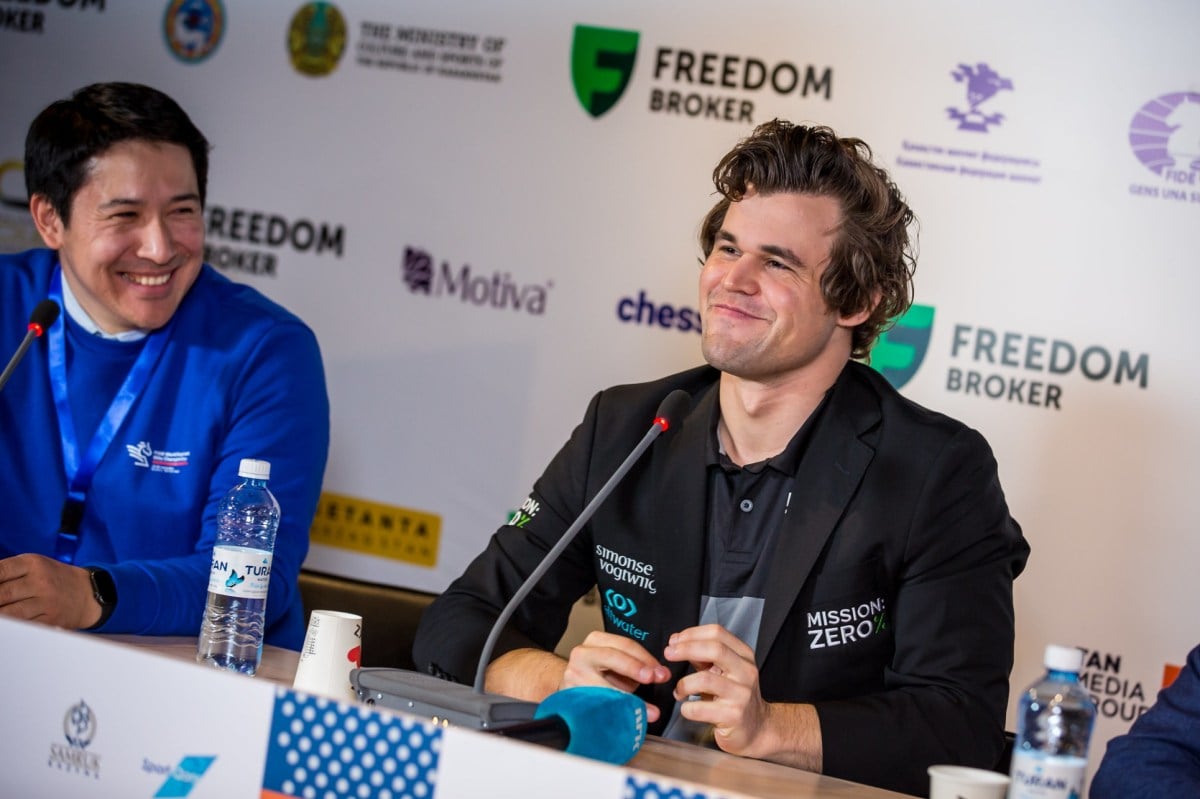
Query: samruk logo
[602,62]
[900,350]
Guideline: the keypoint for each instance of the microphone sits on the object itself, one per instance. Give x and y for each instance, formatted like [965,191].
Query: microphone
[598,723]
[470,706]
[43,316]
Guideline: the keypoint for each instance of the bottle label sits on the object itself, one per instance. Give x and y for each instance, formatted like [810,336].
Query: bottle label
[240,572]
[1037,776]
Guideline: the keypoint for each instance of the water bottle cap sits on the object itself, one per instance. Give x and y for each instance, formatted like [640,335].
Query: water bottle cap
[257,470]
[1063,658]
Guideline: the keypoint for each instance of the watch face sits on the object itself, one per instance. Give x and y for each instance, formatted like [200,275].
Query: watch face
[102,587]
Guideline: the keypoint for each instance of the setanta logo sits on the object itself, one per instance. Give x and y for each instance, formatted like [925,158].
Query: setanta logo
[193,28]
[899,352]
[602,62]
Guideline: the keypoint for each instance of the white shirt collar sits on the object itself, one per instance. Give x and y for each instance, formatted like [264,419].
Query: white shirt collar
[76,312]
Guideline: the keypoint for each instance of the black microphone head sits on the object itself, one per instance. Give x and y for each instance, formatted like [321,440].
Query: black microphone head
[672,409]
[44,315]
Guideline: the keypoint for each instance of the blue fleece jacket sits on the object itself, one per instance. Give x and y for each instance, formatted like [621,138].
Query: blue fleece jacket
[240,378]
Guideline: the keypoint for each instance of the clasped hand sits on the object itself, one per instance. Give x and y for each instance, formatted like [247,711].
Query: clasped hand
[722,688]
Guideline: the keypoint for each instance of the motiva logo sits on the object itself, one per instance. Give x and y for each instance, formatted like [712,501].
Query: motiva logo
[983,83]
[497,290]
[900,350]
[602,62]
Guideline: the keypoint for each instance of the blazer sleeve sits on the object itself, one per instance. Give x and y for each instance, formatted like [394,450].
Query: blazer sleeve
[946,687]
[1160,755]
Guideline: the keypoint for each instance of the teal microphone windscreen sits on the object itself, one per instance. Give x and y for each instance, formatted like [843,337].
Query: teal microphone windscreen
[604,724]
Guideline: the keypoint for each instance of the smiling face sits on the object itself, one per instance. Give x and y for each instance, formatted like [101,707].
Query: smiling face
[765,318]
[135,242]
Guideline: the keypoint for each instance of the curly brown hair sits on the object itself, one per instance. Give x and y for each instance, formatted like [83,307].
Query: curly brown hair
[872,261]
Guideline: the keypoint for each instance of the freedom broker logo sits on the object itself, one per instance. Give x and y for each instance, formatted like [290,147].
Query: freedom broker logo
[602,62]
[898,353]
[497,290]
[687,82]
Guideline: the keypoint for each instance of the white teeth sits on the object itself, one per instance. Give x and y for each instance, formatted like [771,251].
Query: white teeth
[148,280]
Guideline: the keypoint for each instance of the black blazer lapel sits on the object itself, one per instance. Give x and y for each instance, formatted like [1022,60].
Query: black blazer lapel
[830,471]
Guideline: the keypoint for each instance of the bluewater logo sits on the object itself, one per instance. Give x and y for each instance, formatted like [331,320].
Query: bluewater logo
[899,352]
[1165,137]
[182,778]
[497,290]
[982,83]
[193,28]
[602,61]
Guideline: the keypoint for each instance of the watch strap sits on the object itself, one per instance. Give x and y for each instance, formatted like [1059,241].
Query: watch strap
[104,589]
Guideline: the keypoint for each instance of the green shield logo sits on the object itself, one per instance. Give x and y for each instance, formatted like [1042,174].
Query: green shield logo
[898,353]
[602,62]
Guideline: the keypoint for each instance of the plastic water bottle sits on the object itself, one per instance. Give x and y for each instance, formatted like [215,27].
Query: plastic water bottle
[231,632]
[1055,717]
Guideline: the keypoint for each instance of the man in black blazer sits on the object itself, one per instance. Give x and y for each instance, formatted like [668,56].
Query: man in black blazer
[809,568]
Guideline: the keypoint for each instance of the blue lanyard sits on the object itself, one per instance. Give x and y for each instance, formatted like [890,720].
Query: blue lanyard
[80,472]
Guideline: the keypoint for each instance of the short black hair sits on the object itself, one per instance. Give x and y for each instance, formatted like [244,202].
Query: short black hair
[69,133]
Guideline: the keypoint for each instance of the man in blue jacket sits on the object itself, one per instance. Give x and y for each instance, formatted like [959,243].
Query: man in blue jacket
[124,426]
[1160,755]
[808,568]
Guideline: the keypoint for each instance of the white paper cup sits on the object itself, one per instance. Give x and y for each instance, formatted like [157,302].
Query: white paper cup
[961,782]
[332,647]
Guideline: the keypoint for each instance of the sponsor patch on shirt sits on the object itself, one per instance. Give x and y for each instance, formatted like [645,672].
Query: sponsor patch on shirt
[157,460]
[846,625]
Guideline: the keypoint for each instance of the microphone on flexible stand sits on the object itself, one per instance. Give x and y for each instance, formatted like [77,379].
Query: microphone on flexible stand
[470,706]
[591,721]
[43,316]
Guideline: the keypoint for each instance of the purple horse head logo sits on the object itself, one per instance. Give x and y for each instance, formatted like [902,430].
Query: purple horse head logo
[983,83]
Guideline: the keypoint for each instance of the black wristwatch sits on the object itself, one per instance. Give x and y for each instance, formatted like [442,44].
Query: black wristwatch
[105,591]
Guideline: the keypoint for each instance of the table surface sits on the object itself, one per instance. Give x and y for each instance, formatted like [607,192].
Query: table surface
[673,759]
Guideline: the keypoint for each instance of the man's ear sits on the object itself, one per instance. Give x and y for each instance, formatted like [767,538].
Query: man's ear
[858,317]
[49,224]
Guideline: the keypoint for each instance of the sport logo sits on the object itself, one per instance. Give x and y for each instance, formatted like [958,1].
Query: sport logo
[900,350]
[983,83]
[1165,136]
[602,62]
[184,777]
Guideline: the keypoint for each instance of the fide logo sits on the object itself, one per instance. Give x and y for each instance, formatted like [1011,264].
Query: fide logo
[898,353]
[602,61]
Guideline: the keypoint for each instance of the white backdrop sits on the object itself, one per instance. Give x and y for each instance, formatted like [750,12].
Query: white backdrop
[1058,217]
